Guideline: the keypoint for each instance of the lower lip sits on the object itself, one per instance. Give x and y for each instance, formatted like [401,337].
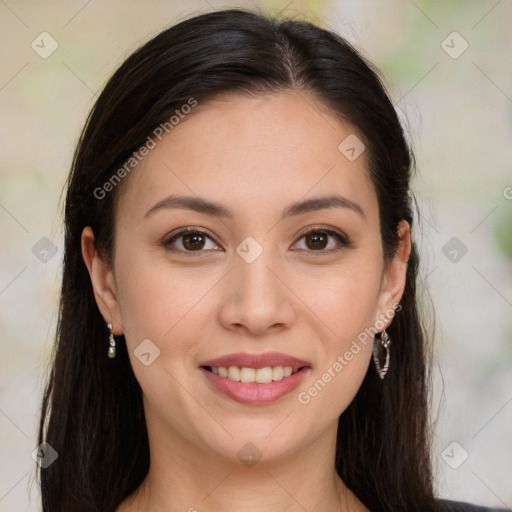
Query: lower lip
[253,392]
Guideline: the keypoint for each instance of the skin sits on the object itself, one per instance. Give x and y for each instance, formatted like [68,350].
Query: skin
[254,155]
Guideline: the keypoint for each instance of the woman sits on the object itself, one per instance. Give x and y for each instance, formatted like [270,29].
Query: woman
[238,323]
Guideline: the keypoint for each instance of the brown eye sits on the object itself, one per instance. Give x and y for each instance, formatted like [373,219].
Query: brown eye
[189,241]
[193,241]
[317,240]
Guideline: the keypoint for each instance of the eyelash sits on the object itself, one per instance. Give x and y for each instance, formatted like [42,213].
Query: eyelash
[343,240]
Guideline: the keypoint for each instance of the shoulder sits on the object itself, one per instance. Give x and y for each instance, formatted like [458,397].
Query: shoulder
[462,506]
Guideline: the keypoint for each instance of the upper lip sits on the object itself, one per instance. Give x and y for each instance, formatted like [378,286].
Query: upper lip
[246,360]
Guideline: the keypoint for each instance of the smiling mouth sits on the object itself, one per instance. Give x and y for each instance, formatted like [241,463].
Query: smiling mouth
[264,375]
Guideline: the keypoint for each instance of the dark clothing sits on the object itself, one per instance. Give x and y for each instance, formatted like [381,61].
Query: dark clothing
[462,506]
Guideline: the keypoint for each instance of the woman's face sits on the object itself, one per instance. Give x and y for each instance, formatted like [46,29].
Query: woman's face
[249,283]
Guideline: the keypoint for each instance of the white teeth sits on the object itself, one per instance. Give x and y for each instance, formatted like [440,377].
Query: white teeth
[277,373]
[247,374]
[234,373]
[263,375]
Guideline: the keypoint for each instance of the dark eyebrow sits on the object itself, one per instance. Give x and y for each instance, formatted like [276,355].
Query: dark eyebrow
[207,207]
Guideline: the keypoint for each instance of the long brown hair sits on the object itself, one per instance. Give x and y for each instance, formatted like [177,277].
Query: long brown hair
[92,411]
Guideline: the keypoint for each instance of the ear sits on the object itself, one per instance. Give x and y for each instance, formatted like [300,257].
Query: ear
[394,277]
[103,283]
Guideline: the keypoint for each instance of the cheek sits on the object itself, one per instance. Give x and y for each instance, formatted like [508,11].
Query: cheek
[159,305]
[348,302]
[347,297]
[153,299]
[169,307]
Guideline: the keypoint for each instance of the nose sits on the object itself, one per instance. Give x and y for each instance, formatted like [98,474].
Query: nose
[256,297]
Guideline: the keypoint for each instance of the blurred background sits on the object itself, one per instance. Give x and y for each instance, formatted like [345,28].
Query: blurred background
[448,66]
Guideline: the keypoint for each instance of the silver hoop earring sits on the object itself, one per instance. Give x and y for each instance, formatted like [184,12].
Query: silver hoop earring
[112,342]
[382,343]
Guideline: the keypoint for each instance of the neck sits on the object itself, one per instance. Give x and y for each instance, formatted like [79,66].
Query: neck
[184,478]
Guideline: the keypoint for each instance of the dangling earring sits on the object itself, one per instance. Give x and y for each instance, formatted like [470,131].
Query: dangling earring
[112,341]
[383,342]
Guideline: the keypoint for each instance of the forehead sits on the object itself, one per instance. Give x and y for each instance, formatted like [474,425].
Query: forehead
[254,153]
